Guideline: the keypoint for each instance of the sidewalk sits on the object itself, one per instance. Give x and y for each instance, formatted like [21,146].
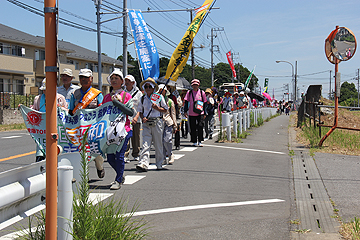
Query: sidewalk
[331,182]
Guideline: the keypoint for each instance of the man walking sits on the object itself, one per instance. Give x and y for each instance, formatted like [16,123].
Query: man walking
[67,88]
[151,107]
[87,97]
[133,90]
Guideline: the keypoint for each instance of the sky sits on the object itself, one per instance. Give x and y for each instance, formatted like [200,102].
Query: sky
[258,32]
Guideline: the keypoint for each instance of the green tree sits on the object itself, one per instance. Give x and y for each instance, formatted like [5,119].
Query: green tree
[348,93]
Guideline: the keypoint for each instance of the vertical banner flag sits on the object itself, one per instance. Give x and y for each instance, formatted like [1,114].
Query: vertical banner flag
[266,84]
[181,54]
[248,79]
[228,55]
[145,45]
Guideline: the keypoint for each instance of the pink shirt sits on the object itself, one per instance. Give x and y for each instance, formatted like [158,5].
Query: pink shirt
[107,98]
[199,95]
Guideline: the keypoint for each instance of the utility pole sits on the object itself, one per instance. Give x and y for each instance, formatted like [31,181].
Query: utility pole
[330,87]
[295,92]
[124,60]
[212,51]
[358,86]
[98,3]
[232,58]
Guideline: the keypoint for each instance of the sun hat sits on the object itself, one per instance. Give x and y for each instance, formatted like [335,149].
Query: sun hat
[85,72]
[130,77]
[242,92]
[195,82]
[236,93]
[118,72]
[67,71]
[151,82]
[43,84]
[208,90]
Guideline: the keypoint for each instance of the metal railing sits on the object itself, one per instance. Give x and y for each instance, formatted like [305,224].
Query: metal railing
[10,100]
[243,119]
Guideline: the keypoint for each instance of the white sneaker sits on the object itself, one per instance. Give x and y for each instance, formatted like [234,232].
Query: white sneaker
[171,159]
[194,145]
[200,144]
[126,159]
[136,159]
[115,186]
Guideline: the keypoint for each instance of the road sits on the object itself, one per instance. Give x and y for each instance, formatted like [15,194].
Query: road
[220,191]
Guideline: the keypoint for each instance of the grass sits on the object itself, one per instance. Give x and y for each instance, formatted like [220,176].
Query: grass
[351,230]
[344,140]
[11,127]
[291,153]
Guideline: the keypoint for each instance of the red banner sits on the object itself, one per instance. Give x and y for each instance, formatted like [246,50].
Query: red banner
[228,55]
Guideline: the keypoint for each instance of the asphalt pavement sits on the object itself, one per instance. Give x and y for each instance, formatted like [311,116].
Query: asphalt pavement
[224,190]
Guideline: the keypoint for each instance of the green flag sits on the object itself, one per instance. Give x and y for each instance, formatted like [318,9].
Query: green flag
[248,79]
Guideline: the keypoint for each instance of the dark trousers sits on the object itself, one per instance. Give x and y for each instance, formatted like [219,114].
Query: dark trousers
[196,128]
[184,128]
[177,138]
[116,161]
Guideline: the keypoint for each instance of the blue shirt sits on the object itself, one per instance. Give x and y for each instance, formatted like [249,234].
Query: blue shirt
[100,98]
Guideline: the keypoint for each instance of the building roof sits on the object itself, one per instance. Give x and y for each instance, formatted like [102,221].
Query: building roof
[73,51]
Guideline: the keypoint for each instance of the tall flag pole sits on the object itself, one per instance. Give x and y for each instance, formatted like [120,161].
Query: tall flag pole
[181,54]
[248,79]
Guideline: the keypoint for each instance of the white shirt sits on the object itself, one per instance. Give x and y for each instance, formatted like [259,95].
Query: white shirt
[146,106]
[67,93]
[136,100]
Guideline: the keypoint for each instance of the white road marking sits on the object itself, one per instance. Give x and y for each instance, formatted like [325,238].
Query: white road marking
[244,149]
[205,206]
[131,179]
[98,197]
[187,149]
[11,137]
[178,156]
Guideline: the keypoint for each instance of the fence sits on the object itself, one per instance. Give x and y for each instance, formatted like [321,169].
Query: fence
[243,119]
[311,111]
[10,100]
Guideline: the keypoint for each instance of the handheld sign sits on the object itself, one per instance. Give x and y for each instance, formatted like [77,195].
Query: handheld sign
[155,98]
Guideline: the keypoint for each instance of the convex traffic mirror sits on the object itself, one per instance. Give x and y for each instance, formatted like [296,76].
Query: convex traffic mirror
[340,44]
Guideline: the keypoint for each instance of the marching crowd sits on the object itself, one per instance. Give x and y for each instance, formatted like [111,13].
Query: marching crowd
[161,118]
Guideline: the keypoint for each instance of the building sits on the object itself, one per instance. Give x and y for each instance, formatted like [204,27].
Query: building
[22,62]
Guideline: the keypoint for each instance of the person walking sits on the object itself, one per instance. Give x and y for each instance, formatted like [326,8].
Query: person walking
[194,108]
[169,119]
[175,97]
[40,105]
[67,88]
[133,90]
[123,101]
[151,107]
[87,97]
[184,120]
[209,112]
[227,102]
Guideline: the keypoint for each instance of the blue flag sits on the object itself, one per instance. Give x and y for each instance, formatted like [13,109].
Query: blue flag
[145,45]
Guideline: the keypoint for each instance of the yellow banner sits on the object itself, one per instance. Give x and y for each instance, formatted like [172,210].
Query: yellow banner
[181,54]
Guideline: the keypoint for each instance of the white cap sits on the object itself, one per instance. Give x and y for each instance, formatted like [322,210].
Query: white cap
[118,72]
[242,92]
[67,71]
[43,84]
[162,86]
[85,72]
[130,77]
